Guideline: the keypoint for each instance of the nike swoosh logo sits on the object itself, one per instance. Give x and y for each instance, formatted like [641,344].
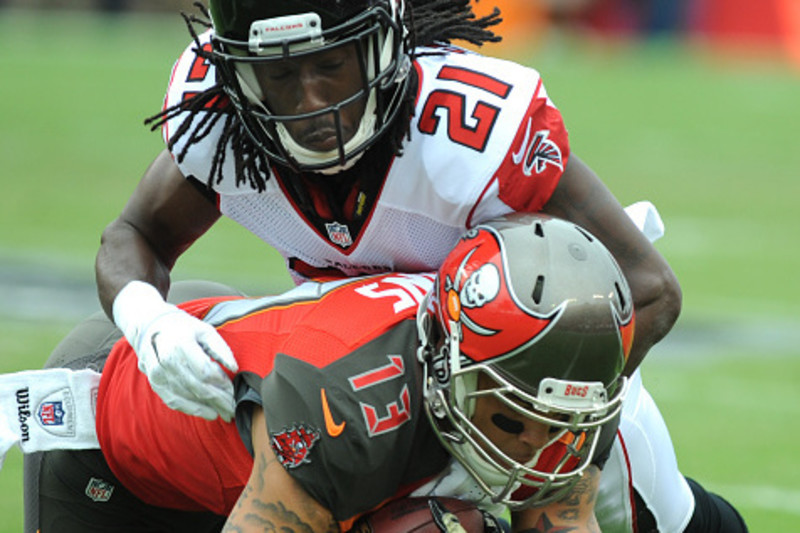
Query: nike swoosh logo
[333,429]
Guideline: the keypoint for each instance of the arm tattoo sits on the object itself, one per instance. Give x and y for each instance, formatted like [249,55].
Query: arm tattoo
[587,485]
[260,466]
[262,462]
[272,516]
[253,514]
[570,514]
[544,525]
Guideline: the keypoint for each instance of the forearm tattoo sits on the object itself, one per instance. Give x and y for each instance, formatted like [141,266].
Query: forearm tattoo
[268,517]
[545,525]
[253,514]
[570,514]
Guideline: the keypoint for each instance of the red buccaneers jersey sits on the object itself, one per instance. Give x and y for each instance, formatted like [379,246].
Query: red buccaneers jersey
[334,366]
[485,140]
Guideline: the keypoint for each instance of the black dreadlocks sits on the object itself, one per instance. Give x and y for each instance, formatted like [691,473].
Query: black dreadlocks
[430,22]
[444,21]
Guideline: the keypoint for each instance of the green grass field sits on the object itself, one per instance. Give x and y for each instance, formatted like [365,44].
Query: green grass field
[713,144]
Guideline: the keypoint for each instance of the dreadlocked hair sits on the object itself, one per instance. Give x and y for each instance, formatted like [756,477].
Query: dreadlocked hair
[212,105]
[444,21]
[430,22]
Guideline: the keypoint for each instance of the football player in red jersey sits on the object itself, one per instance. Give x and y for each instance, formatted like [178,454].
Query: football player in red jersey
[416,367]
[498,381]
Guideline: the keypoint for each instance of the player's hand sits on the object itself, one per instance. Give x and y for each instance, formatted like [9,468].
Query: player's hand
[179,354]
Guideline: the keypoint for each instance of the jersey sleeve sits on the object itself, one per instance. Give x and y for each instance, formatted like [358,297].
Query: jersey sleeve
[192,75]
[147,444]
[488,134]
[348,432]
[537,156]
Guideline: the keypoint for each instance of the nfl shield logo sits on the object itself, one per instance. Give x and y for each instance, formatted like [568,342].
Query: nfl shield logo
[56,413]
[339,234]
[51,414]
[99,490]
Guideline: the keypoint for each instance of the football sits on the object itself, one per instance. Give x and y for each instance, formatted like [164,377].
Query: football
[423,515]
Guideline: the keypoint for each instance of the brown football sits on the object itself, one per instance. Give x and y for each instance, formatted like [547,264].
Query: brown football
[408,515]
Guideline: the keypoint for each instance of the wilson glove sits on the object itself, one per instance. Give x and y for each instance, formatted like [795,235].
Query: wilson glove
[182,356]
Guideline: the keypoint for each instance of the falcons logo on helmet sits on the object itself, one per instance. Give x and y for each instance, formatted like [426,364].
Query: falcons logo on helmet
[537,153]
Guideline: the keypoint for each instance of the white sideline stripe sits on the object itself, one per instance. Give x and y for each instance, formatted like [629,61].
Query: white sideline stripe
[761,497]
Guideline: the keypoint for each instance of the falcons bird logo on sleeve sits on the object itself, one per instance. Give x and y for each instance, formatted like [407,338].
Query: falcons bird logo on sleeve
[537,153]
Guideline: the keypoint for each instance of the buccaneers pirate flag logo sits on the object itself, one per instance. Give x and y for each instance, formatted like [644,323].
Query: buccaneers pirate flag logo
[478,301]
[292,446]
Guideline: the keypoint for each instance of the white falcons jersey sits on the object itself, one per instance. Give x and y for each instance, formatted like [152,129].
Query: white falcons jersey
[485,140]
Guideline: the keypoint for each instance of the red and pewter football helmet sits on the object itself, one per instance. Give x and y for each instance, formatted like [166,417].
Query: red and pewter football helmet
[248,33]
[541,307]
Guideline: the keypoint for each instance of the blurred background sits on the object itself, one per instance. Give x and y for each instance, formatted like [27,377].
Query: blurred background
[691,104]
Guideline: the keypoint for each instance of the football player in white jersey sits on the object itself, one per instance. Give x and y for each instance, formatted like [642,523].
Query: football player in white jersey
[354,138]
[353,141]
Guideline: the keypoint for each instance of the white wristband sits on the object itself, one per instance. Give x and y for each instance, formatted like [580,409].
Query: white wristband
[135,307]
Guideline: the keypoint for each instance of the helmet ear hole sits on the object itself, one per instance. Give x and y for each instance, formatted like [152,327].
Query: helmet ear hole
[583,232]
[538,289]
[538,230]
[621,295]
